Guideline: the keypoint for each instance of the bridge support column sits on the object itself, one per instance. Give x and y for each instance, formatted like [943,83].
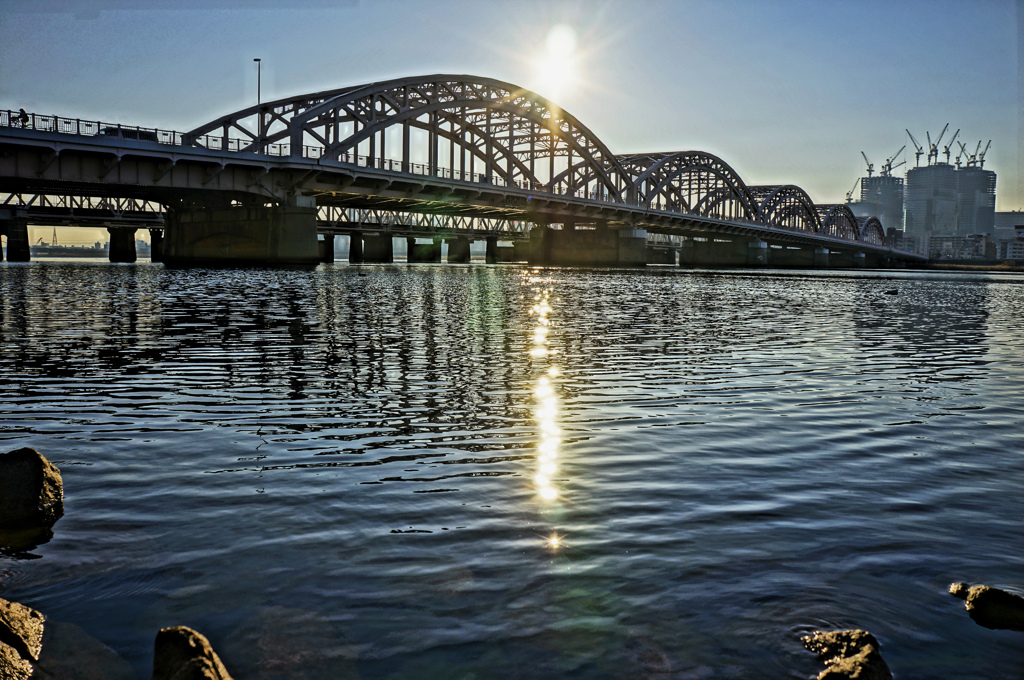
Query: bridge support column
[686,256]
[821,258]
[282,235]
[156,245]
[589,247]
[122,245]
[721,253]
[423,252]
[787,257]
[378,248]
[660,255]
[757,254]
[355,248]
[492,250]
[17,240]
[520,251]
[458,250]
[326,247]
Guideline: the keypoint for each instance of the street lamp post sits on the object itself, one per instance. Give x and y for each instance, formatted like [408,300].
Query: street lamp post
[259,114]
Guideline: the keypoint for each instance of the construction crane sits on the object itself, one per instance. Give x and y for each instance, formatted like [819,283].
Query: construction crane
[981,156]
[871,166]
[947,147]
[963,152]
[933,149]
[888,167]
[919,152]
[849,194]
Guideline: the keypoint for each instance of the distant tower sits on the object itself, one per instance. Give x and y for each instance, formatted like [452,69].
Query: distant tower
[976,201]
[881,197]
[932,201]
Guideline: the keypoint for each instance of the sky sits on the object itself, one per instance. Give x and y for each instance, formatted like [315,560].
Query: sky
[785,91]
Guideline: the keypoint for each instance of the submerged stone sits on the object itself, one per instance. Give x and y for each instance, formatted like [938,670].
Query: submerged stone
[850,654]
[31,490]
[991,607]
[181,653]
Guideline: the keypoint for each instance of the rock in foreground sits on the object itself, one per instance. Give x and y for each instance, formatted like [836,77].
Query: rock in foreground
[183,654]
[990,607]
[31,490]
[848,654]
[33,647]
[21,639]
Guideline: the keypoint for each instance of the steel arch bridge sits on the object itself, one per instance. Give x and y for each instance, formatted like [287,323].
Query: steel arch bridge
[456,145]
[488,131]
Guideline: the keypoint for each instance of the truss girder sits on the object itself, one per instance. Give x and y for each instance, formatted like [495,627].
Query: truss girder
[839,221]
[514,134]
[694,182]
[871,230]
[787,207]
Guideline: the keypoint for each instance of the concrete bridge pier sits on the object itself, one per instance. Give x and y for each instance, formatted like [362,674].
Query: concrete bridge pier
[355,248]
[122,244]
[16,230]
[624,247]
[787,256]
[279,235]
[520,251]
[720,253]
[156,245]
[822,258]
[657,255]
[423,252]
[458,250]
[492,250]
[326,248]
[377,248]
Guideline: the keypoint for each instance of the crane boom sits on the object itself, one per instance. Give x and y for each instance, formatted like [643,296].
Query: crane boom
[871,166]
[981,156]
[952,139]
[919,152]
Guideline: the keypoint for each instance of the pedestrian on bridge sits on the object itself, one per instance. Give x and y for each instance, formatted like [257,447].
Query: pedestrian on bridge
[22,118]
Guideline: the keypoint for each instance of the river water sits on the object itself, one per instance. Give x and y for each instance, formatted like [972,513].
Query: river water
[504,472]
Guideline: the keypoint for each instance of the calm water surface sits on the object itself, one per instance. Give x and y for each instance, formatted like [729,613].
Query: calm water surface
[502,472]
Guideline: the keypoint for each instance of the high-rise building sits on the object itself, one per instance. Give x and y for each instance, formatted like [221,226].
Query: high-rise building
[932,201]
[976,201]
[881,197]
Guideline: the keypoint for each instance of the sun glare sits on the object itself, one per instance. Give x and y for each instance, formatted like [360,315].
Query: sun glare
[556,67]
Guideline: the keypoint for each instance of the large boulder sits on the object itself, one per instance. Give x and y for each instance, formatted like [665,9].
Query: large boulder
[33,647]
[21,639]
[31,490]
[181,653]
[991,607]
[852,654]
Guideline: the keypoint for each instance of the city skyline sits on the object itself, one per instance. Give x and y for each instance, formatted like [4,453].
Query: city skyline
[790,93]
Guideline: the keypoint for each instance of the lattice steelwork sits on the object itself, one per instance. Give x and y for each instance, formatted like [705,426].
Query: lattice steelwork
[456,127]
[838,221]
[691,182]
[871,231]
[391,220]
[788,207]
[464,129]
[92,203]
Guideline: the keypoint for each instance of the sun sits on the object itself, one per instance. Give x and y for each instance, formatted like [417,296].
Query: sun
[556,68]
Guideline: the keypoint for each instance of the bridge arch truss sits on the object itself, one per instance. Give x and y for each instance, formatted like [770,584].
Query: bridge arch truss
[456,127]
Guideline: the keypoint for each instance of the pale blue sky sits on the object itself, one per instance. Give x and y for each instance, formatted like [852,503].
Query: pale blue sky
[788,91]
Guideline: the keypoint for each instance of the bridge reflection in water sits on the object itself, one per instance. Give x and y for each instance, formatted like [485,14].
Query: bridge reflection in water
[479,158]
